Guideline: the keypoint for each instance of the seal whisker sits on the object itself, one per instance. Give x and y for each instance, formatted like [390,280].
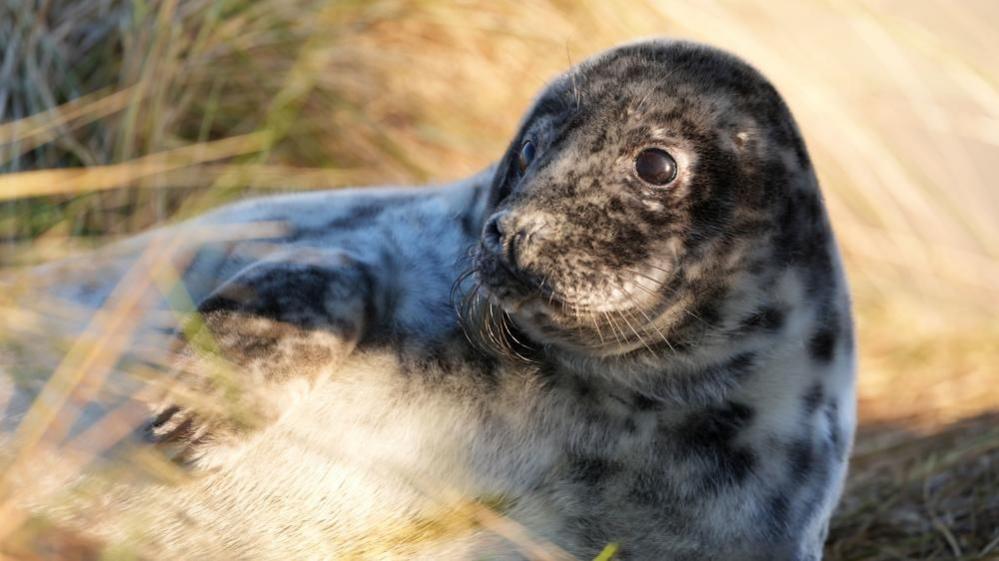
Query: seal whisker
[660,269]
[456,288]
[624,316]
[654,326]
[596,325]
[468,301]
[700,319]
[619,336]
[647,290]
[490,324]
[658,283]
[505,323]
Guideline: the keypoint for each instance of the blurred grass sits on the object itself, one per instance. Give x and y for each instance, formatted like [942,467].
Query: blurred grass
[116,115]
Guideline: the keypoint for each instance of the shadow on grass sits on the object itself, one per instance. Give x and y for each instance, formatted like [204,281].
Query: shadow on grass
[932,495]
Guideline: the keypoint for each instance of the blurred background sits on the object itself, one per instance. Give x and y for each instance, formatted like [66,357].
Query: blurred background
[118,115]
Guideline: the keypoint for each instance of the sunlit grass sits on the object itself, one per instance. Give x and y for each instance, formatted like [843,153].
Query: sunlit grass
[115,116]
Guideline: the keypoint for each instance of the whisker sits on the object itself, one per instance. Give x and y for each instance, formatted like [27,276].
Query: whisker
[551,293]
[700,319]
[477,326]
[656,282]
[652,323]
[596,325]
[470,307]
[660,269]
[647,290]
[491,327]
[633,330]
[505,323]
[614,329]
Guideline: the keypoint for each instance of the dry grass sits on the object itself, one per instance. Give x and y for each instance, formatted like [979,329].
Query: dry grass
[118,115]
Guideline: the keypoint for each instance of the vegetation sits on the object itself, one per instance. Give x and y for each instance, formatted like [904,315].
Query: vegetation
[116,115]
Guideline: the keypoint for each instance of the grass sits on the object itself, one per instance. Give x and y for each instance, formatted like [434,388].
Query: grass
[115,116]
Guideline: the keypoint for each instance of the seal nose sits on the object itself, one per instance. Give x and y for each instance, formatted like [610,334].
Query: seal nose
[502,237]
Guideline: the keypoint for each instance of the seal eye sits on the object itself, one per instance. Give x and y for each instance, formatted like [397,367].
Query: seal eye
[526,155]
[655,166]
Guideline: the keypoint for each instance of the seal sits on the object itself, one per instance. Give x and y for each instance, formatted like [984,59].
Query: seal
[634,330]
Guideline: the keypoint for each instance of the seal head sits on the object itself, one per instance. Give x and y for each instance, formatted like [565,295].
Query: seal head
[639,198]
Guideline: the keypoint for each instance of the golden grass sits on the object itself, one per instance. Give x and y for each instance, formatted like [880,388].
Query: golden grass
[118,115]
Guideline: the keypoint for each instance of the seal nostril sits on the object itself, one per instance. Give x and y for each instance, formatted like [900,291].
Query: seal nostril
[492,234]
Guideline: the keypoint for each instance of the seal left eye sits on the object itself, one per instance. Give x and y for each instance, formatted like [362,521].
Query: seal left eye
[655,166]
[526,155]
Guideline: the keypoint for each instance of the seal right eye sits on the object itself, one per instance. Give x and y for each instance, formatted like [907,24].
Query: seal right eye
[655,166]
[526,155]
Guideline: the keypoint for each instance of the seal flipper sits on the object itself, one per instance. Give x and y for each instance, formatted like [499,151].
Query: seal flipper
[257,342]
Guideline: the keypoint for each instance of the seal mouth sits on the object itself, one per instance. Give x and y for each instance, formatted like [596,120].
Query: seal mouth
[619,315]
[532,297]
[542,315]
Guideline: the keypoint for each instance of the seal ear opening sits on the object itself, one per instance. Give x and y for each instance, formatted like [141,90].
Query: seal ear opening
[745,140]
[741,139]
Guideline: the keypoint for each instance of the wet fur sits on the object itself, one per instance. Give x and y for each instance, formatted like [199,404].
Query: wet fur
[669,369]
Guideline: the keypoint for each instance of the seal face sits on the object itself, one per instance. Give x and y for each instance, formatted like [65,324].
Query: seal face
[664,354]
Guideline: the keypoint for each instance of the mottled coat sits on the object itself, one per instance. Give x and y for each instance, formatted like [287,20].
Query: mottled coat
[666,366]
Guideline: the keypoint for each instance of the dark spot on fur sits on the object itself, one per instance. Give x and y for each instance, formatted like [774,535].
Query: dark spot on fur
[741,364]
[645,403]
[630,426]
[652,488]
[599,142]
[768,318]
[804,240]
[798,500]
[812,399]
[800,459]
[581,389]
[702,318]
[777,515]
[708,312]
[358,216]
[822,345]
[709,436]
[591,471]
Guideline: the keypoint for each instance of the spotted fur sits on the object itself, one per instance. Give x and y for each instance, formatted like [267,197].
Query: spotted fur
[600,360]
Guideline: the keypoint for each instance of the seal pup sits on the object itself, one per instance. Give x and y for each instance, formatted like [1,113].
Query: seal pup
[653,344]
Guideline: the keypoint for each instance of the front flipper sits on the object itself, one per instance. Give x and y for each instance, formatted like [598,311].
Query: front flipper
[258,342]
